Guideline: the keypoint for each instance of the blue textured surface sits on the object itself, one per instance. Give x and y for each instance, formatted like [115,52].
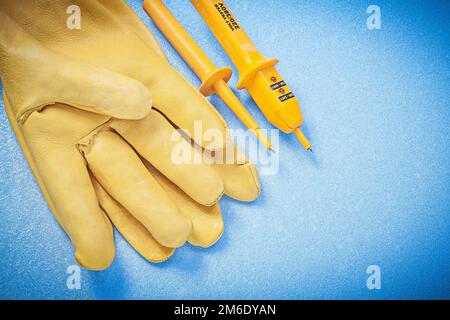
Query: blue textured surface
[376,106]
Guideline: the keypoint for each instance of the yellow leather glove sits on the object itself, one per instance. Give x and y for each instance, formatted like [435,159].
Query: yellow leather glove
[80,103]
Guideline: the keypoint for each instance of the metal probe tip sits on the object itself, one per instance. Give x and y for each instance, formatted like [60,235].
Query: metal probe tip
[301,137]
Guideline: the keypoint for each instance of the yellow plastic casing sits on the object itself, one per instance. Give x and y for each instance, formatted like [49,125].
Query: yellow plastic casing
[275,99]
[256,73]
[186,47]
[214,80]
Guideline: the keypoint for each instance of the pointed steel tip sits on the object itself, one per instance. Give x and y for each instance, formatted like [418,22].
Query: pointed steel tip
[310,150]
[272,150]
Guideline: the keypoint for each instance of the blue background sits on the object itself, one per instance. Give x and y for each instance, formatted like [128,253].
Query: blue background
[376,191]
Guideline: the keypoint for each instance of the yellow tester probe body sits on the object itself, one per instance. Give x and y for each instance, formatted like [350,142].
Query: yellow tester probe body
[214,80]
[256,73]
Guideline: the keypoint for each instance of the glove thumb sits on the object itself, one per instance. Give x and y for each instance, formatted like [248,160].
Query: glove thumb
[35,76]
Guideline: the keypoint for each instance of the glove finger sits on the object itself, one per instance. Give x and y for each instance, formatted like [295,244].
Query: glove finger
[188,109]
[207,222]
[120,171]
[63,177]
[241,181]
[157,141]
[239,175]
[130,228]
